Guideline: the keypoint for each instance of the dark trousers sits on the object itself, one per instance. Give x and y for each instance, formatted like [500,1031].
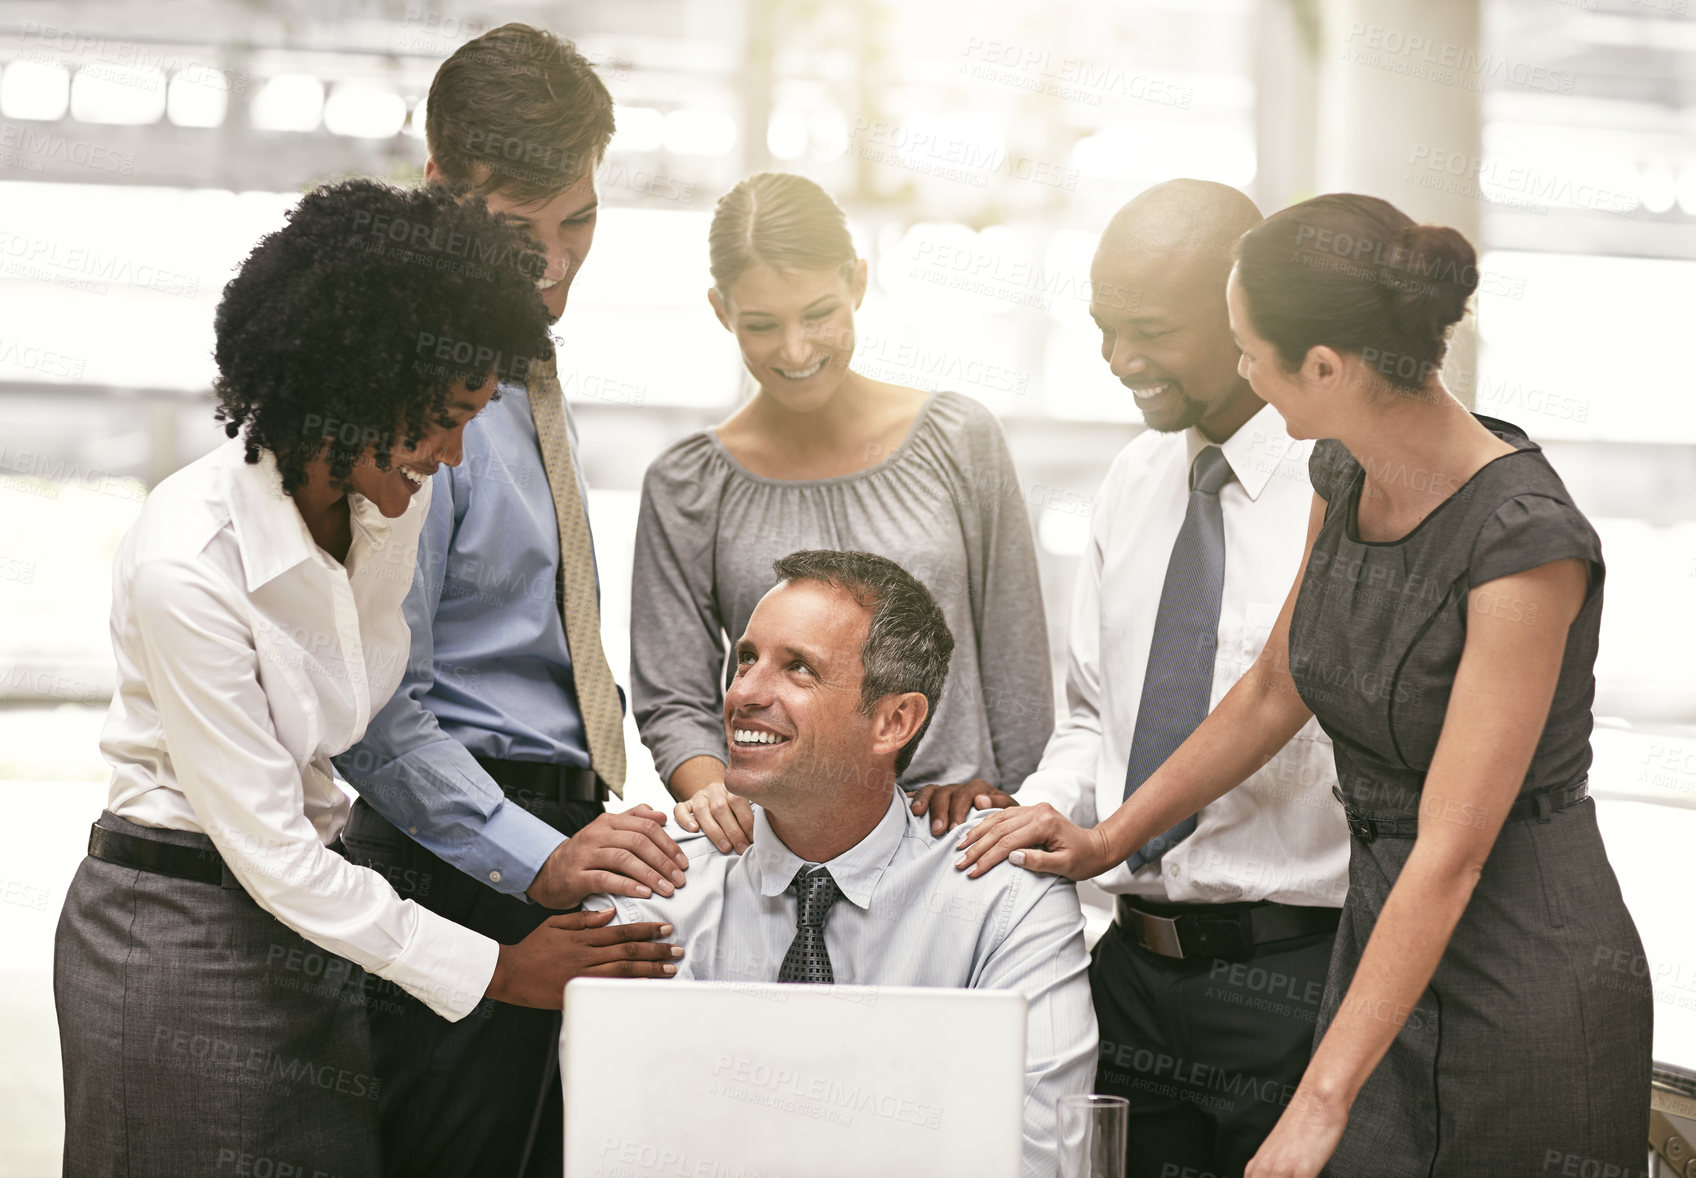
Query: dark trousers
[479,1098]
[1208,1052]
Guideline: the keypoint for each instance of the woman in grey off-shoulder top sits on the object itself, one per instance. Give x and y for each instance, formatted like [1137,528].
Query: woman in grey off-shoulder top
[945,506]
[824,457]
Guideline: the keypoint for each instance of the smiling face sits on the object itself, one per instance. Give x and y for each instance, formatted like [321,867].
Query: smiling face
[1166,336]
[564,226]
[795,329]
[792,716]
[410,467]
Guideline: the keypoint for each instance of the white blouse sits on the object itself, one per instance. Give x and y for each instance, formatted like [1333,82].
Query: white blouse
[247,657]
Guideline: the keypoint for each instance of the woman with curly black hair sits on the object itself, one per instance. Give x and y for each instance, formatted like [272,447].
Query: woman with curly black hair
[215,955]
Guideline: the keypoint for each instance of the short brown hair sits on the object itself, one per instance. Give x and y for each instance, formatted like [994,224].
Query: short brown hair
[520,111]
[782,220]
[908,644]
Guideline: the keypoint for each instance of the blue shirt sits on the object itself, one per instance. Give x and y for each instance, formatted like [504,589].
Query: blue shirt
[489,672]
[906,918]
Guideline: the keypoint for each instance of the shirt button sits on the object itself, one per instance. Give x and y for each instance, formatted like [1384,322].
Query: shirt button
[494,877]
[412,830]
[1171,869]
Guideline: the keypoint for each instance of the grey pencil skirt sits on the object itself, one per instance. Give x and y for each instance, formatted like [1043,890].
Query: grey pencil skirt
[201,1036]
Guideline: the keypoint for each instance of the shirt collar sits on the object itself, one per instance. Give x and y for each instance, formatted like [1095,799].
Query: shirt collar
[1254,452]
[268,526]
[856,871]
[269,529]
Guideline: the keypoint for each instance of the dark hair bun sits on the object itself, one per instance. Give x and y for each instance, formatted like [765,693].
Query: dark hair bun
[1356,274]
[1430,276]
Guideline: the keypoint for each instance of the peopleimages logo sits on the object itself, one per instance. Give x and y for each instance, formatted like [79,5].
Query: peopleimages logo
[1447,62]
[27,148]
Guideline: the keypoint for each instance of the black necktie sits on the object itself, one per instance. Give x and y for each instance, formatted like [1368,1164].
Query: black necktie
[1179,682]
[807,960]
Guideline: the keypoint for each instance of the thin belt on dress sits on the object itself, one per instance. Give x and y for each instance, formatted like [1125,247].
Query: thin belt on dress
[1539,805]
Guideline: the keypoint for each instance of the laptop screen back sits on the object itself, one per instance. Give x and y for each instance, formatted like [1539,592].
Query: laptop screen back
[667,1079]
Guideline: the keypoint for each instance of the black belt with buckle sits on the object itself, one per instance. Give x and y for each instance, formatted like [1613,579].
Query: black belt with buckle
[1539,805]
[1226,932]
[200,864]
[531,780]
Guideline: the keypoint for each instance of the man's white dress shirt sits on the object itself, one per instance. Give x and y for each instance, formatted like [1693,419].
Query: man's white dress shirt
[1279,836]
[247,657]
[906,918]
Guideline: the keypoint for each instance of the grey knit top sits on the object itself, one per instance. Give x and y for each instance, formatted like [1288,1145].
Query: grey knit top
[945,505]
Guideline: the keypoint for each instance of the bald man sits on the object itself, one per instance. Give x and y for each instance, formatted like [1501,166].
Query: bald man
[1207,984]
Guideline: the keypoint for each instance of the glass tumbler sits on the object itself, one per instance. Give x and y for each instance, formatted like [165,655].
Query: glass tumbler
[1091,1132]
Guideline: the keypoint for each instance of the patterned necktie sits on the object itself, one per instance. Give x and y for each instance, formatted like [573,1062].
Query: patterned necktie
[807,960]
[597,696]
[1178,687]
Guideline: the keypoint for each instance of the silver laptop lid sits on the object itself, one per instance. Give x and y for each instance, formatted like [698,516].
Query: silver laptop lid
[667,1079]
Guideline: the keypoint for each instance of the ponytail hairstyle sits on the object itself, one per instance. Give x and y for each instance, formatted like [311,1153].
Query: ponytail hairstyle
[1357,274]
[780,220]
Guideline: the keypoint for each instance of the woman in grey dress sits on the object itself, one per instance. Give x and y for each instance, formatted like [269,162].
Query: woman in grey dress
[824,457]
[1444,633]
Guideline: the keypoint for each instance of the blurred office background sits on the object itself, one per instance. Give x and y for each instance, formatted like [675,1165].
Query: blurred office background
[979,148]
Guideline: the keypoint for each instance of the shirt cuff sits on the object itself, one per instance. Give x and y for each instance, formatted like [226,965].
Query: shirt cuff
[444,965]
[515,845]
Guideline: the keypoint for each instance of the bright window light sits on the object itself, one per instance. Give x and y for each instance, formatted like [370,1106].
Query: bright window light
[830,135]
[415,125]
[105,93]
[699,132]
[1659,190]
[289,102]
[197,98]
[787,134]
[1154,152]
[35,90]
[640,128]
[364,112]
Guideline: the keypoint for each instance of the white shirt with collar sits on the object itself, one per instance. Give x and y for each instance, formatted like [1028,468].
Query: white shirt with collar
[907,917]
[246,658]
[1280,835]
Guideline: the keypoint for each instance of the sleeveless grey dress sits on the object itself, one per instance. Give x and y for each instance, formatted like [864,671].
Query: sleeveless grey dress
[1531,1041]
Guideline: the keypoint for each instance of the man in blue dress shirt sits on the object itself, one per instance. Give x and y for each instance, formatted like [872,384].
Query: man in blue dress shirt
[505,736]
[836,677]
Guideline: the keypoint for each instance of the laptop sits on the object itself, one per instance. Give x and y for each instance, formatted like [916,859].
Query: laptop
[670,1079]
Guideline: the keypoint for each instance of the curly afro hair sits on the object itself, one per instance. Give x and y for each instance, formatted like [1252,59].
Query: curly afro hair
[352,325]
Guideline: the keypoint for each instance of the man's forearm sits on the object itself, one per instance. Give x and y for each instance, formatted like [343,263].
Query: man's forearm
[439,795]
[694,775]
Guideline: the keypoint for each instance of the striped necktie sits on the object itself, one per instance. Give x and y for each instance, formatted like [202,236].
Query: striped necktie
[597,695]
[1178,687]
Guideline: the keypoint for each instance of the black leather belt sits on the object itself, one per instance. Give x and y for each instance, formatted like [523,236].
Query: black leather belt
[200,864]
[1227,932]
[1539,805]
[530,780]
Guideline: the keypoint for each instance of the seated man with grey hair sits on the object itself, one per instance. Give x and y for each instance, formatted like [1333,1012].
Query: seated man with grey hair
[836,678]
